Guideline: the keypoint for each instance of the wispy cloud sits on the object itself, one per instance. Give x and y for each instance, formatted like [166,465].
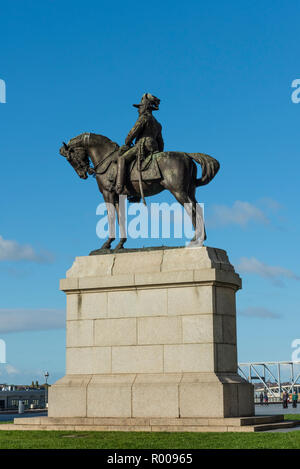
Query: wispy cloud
[259,312]
[18,320]
[240,213]
[273,273]
[11,250]
[9,369]
[270,204]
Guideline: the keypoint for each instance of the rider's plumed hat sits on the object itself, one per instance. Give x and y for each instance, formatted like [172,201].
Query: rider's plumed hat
[148,98]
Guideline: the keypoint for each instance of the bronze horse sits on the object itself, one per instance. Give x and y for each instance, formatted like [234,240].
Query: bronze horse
[178,174]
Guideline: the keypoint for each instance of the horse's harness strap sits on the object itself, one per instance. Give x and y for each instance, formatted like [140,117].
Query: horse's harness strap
[105,159]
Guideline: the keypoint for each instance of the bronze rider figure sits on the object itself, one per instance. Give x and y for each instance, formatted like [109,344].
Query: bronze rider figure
[147,135]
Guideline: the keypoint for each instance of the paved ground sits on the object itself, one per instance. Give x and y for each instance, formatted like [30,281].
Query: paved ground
[6,417]
[284,430]
[273,409]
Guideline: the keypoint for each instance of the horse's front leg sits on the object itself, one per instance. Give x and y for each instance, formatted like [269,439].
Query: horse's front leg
[111,215]
[120,204]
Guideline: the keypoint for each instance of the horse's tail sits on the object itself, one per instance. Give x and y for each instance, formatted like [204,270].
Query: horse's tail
[210,166]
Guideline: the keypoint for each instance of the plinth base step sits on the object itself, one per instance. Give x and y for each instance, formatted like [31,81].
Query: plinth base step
[239,424]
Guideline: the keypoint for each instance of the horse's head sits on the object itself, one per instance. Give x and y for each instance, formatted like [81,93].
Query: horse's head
[78,158]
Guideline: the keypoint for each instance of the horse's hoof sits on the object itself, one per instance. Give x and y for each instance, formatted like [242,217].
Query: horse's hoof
[102,250]
[196,244]
[118,249]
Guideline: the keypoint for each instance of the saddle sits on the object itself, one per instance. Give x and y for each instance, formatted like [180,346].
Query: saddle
[149,168]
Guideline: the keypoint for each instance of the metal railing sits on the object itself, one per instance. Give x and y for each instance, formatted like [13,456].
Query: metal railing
[270,376]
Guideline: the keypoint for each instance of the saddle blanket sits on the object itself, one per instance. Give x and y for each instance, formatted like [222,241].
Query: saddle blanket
[149,167]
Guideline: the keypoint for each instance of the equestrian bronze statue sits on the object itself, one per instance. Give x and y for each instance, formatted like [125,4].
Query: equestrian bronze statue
[141,169]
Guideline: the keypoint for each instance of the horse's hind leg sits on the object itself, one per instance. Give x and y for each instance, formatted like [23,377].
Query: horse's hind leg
[198,219]
[195,213]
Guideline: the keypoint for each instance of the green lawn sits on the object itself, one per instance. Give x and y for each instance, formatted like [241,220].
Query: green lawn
[123,440]
[292,417]
[132,440]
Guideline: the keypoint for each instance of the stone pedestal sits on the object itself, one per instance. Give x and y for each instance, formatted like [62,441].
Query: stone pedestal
[152,334]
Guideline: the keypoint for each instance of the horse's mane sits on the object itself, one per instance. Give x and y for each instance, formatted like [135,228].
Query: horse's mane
[78,139]
[97,138]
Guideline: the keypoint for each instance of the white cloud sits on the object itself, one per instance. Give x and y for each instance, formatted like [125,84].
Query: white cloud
[13,251]
[10,369]
[259,312]
[8,372]
[18,320]
[240,213]
[273,273]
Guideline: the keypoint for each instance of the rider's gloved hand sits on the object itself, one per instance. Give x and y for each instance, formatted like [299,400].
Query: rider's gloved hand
[123,149]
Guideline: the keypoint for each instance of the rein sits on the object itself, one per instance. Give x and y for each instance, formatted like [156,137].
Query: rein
[103,161]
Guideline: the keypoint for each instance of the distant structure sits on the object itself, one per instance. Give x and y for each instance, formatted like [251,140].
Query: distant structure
[10,396]
[272,377]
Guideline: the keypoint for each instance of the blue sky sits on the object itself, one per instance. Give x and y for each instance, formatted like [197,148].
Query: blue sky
[223,71]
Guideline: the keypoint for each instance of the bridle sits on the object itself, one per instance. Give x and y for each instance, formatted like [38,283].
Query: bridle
[78,162]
